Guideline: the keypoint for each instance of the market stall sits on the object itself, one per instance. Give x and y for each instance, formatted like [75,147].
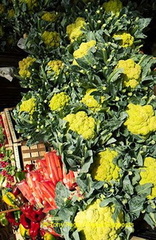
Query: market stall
[78,152]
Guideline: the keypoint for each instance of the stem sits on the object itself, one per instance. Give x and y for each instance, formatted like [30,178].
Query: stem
[9,210]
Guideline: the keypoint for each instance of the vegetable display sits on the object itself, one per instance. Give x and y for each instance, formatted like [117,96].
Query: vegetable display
[90,98]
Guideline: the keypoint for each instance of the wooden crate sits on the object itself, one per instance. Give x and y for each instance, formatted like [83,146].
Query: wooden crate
[22,153]
[15,138]
[32,153]
[8,124]
[4,124]
[16,154]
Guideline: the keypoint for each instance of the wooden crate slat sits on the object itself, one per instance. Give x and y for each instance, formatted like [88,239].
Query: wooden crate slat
[31,153]
[31,159]
[6,128]
[14,136]
[16,148]
[33,150]
[137,238]
[22,153]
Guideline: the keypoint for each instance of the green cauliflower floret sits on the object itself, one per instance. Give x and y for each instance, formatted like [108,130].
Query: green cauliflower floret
[82,124]
[59,101]
[131,71]
[91,102]
[141,119]
[148,175]
[97,222]
[113,6]
[103,167]
[28,105]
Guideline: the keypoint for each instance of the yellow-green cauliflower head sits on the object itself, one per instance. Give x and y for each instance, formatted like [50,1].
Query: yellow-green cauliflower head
[82,124]
[104,168]
[74,30]
[97,223]
[148,175]
[131,72]
[141,119]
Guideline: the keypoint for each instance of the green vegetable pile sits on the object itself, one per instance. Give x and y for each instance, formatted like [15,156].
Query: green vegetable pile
[91,97]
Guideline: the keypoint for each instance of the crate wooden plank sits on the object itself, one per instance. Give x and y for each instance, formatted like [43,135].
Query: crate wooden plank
[15,137]
[31,153]
[7,129]
[16,155]
[137,238]
[18,235]
[17,147]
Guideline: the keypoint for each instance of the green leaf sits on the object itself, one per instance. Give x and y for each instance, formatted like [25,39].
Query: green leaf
[150,218]
[107,201]
[136,205]
[20,176]
[114,76]
[87,163]
[144,189]
[136,178]
[65,214]
[2,179]
[127,185]
[111,140]
[62,193]
[140,159]
[117,211]
[75,235]
[143,22]
[85,183]
[97,185]
[90,36]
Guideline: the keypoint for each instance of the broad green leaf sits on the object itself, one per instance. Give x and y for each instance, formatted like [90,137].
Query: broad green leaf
[144,189]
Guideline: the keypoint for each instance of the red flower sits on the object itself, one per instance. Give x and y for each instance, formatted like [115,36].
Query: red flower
[3,164]
[10,178]
[4,173]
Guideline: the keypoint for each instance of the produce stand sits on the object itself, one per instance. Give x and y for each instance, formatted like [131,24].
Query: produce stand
[77,148]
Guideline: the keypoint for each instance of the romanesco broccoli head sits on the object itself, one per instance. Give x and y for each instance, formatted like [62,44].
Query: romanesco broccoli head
[141,119]
[91,102]
[51,39]
[28,105]
[103,167]
[82,124]
[73,30]
[59,101]
[55,66]
[125,39]
[131,71]
[113,6]
[2,8]
[24,66]
[148,175]
[83,49]
[30,3]
[49,16]
[97,223]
